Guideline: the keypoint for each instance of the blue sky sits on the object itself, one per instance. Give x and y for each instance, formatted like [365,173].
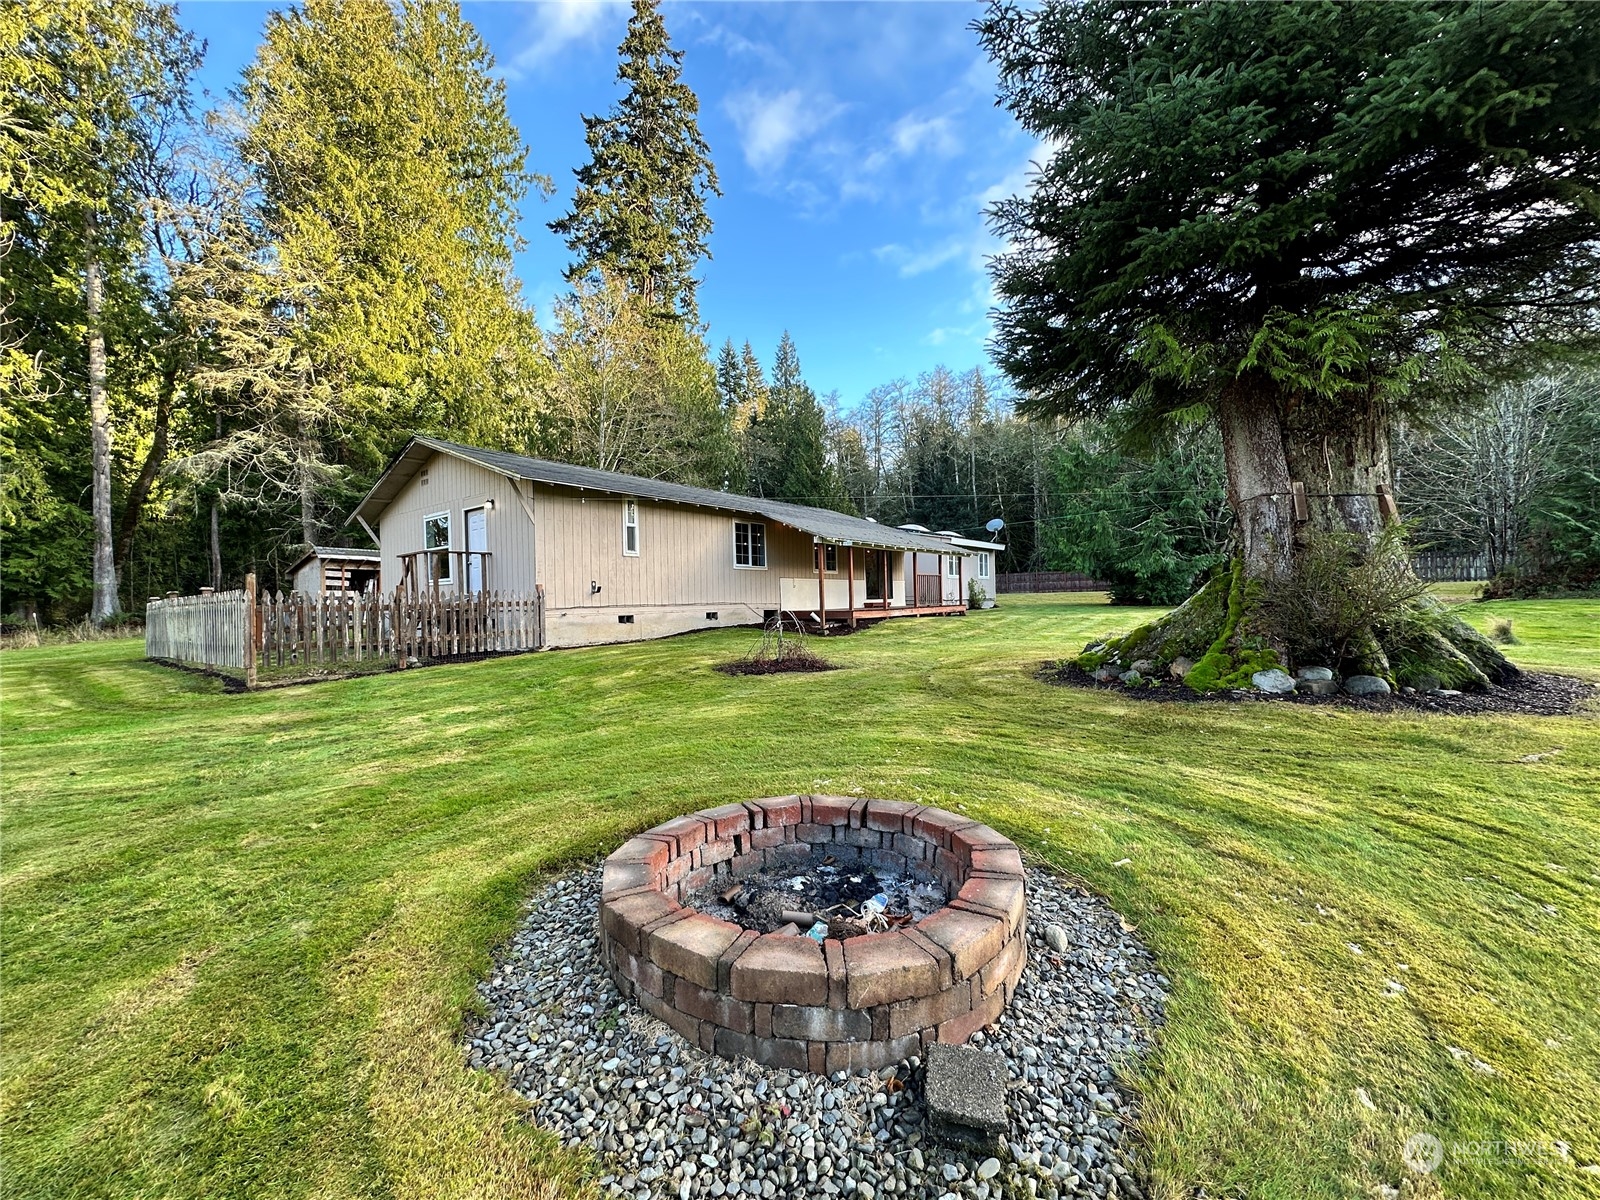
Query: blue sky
[857,145]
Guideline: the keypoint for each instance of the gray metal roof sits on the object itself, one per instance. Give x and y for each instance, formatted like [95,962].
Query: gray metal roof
[353,553]
[819,522]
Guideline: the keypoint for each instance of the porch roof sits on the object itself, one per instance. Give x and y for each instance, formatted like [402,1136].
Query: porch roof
[820,523]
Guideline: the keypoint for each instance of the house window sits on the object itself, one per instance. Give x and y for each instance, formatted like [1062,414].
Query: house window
[829,557]
[952,566]
[630,528]
[750,545]
[983,565]
[436,537]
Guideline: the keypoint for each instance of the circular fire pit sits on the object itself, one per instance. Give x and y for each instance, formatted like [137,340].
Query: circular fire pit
[783,998]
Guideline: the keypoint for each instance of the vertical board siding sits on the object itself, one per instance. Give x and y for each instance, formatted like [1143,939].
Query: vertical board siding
[685,555]
[454,486]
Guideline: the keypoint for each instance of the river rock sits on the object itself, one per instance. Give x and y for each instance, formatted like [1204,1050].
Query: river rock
[1319,687]
[1274,681]
[1145,666]
[1180,667]
[1131,677]
[1314,674]
[1366,685]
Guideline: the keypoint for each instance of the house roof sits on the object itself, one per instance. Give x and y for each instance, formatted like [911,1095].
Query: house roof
[819,522]
[348,553]
[975,543]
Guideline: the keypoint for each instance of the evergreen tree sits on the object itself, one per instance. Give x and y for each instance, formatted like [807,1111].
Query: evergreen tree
[791,443]
[631,393]
[1304,219]
[370,292]
[1147,525]
[640,206]
[90,89]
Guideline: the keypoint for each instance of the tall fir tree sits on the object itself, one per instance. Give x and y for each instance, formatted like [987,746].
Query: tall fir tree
[370,292]
[1304,219]
[790,439]
[91,89]
[640,207]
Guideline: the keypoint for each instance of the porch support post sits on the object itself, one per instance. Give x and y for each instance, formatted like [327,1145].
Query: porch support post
[851,551]
[941,581]
[822,594]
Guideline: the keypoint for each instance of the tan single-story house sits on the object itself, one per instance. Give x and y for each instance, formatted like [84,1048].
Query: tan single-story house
[622,558]
[335,569]
[976,571]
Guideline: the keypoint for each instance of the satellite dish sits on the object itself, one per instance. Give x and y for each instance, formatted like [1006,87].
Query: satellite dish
[995,526]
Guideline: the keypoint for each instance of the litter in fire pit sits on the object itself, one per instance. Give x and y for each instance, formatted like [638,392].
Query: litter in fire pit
[824,898]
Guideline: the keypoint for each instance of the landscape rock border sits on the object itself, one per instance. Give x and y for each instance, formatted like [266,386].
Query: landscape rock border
[664,1119]
[783,999]
[1532,693]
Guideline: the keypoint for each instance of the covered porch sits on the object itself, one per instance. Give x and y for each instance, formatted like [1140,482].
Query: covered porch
[852,584]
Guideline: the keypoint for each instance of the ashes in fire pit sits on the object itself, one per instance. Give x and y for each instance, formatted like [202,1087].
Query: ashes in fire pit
[917,928]
[824,897]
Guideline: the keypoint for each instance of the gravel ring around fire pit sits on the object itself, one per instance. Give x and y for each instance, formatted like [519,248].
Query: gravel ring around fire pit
[667,1120]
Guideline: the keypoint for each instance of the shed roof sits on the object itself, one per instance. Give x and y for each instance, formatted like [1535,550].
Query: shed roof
[347,553]
[819,522]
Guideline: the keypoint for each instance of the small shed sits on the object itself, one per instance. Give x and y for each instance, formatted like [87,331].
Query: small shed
[336,569]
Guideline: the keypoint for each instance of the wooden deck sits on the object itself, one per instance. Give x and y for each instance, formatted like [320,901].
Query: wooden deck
[839,616]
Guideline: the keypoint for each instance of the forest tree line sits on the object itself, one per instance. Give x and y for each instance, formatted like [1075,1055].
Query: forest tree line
[220,322]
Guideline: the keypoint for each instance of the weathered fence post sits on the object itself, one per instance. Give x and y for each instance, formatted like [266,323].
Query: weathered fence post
[250,630]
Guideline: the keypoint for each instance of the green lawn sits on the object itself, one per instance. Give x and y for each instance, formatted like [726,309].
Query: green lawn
[240,931]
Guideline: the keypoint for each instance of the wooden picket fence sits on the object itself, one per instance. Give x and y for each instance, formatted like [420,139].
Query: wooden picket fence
[205,631]
[297,629]
[241,631]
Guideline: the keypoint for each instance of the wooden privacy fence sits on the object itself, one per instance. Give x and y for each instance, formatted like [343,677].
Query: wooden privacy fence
[206,630]
[1046,581]
[245,632]
[1450,568]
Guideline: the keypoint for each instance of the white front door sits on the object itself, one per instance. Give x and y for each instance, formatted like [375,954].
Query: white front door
[477,544]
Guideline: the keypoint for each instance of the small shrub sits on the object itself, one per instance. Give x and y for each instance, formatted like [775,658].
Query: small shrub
[1501,632]
[1339,591]
[782,648]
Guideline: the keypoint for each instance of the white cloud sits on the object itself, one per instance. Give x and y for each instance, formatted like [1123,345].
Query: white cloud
[917,262]
[770,125]
[559,24]
[935,135]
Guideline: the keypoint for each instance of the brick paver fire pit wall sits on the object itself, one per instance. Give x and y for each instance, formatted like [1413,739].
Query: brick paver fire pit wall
[783,999]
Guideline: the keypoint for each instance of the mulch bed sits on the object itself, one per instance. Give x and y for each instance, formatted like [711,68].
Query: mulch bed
[772,666]
[1534,694]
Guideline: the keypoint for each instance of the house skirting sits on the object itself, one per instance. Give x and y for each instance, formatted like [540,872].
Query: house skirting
[599,626]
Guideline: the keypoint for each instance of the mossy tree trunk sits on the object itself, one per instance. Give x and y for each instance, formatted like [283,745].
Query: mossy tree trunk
[1293,479]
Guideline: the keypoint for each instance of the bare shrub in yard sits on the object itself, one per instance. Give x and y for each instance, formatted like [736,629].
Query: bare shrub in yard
[782,648]
[1340,591]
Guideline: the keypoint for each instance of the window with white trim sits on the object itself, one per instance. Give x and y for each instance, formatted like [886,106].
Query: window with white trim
[750,545]
[829,557]
[436,537]
[983,565]
[952,566]
[630,528]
